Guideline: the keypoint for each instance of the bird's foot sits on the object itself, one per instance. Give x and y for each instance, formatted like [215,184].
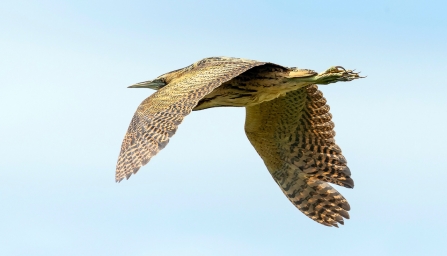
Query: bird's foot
[336,74]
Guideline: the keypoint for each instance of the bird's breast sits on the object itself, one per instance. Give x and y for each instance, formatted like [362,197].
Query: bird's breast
[240,94]
[251,88]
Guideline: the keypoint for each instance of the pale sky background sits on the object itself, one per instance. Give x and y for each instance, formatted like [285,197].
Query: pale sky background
[64,109]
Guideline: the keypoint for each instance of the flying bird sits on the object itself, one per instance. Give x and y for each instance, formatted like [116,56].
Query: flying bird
[287,122]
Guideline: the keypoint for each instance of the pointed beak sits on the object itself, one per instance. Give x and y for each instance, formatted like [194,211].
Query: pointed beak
[152,84]
[145,84]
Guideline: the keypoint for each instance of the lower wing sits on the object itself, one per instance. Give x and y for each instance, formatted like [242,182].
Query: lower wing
[294,136]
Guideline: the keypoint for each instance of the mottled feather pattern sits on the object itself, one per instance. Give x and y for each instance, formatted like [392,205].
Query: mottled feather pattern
[158,116]
[294,136]
[288,122]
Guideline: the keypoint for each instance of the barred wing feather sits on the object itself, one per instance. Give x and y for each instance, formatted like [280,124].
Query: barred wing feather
[294,136]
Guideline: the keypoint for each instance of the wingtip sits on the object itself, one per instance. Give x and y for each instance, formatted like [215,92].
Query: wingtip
[346,206]
[120,178]
[348,183]
[121,174]
[339,219]
[344,214]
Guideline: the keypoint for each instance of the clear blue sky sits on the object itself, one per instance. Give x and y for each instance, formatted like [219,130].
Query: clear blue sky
[64,109]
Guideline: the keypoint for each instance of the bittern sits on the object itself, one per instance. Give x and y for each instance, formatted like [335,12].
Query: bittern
[287,121]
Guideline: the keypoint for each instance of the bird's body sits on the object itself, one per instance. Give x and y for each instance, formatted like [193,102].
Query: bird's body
[288,123]
[259,84]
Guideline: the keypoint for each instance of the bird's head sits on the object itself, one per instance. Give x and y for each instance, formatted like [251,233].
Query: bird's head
[160,81]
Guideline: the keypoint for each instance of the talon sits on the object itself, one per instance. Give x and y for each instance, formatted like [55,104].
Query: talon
[336,74]
[337,67]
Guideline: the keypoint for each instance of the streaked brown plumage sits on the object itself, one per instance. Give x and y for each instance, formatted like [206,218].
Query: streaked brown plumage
[288,123]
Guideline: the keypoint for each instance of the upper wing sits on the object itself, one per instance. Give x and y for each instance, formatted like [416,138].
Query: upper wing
[158,116]
[294,136]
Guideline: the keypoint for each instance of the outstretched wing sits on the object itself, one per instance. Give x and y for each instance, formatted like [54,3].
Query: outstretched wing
[158,116]
[294,136]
